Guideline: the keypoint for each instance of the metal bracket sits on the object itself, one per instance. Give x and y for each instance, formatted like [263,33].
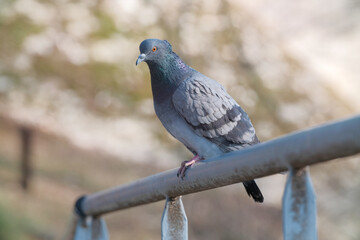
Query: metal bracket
[299,207]
[94,229]
[174,225]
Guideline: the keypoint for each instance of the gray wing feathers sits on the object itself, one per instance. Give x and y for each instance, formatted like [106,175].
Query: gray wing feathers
[212,112]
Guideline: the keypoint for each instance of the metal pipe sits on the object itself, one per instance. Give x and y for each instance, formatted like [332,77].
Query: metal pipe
[296,150]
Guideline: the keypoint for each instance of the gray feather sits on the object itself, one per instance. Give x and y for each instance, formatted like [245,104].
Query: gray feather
[213,113]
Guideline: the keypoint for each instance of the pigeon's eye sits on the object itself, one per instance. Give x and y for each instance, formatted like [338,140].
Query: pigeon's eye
[154,49]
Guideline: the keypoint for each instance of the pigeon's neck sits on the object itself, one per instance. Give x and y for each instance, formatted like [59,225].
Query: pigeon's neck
[167,75]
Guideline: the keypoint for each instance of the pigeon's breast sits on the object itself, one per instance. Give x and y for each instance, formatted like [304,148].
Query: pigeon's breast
[182,131]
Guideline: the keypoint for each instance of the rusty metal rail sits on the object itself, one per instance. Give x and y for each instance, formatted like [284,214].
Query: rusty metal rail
[291,152]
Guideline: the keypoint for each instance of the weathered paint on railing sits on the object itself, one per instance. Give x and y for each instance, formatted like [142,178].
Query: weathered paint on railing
[174,225]
[299,207]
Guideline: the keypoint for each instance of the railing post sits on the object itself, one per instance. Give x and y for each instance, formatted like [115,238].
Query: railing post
[299,207]
[174,224]
[25,161]
[86,227]
[91,228]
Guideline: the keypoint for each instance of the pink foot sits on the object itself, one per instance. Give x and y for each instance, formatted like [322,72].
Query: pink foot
[186,164]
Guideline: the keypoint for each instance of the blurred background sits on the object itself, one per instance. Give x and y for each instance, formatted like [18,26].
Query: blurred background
[72,99]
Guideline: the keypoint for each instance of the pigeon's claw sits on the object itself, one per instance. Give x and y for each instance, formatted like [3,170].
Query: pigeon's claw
[181,171]
[187,164]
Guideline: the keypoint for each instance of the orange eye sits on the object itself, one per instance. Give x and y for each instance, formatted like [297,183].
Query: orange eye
[154,49]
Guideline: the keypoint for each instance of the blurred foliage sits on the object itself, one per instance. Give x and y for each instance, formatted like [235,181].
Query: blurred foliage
[106,25]
[91,47]
[8,229]
[13,33]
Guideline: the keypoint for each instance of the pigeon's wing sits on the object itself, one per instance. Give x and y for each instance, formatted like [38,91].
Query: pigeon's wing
[213,113]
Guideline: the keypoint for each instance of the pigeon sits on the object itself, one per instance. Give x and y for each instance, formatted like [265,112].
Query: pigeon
[196,109]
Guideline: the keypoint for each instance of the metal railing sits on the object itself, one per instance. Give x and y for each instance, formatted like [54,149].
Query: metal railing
[292,152]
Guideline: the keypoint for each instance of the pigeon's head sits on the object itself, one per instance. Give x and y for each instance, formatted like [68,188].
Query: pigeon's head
[153,50]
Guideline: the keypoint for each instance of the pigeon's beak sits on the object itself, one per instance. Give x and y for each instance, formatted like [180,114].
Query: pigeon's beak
[140,59]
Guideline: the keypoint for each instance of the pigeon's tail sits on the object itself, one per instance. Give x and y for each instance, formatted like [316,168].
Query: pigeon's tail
[253,191]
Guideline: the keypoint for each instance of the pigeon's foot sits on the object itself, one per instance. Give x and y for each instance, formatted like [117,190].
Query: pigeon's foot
[186,164]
